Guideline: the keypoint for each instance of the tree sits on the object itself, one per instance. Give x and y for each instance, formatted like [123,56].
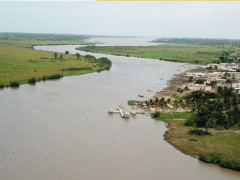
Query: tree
[200,81]
[213,83]
[186,88]
[78,55]
[66,52]
[55,55]
[190,79]
[228,81]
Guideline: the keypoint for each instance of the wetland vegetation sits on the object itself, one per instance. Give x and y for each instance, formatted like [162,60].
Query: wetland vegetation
[194,51]
[19,62]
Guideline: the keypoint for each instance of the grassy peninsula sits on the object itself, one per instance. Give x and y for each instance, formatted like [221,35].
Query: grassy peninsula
[221,144]
[208,126]
[194,51]
[20,63]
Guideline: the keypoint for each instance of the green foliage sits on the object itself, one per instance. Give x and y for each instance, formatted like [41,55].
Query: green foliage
[201,41]
[173,115]
[54,76]
[32,81]
[200,81]
[1,86]
[14,84]
[199,132]
[186,88]
[228,81]
[40,37]
[156,115]
[105,62]
[189,122]
[175,80]
[180,90]
[55,55]
[66,52]
[220,160]
[78,55]
[133,102]
[20,64]
[215,109]
[213,83]
[77,69]
[44,78]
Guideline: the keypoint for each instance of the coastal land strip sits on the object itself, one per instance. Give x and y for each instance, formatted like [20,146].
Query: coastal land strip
[217,143]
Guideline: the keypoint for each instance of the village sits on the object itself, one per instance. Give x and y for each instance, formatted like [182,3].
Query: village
[207,78]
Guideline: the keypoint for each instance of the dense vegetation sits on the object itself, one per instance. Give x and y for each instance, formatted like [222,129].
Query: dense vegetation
[219,109]
[213,110]
[199,41]
[220,160]
[211,129]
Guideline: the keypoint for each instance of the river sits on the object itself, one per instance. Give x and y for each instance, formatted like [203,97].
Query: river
[61,129]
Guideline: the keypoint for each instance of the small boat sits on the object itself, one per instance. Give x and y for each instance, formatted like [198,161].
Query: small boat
[140,95]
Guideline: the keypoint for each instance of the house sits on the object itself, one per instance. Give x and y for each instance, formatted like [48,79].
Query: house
[200,87]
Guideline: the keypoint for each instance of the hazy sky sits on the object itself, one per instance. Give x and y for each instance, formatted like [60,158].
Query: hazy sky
[162,19]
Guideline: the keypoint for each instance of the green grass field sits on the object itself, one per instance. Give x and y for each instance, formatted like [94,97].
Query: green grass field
[224,142]
[173,115]
[133,102]
[21,64]
[202,54]
[28,43]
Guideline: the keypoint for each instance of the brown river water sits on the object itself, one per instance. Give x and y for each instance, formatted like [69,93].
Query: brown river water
[61,129]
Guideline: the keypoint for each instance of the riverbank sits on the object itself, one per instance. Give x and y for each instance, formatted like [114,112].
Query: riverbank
[194,54]
[219,145]
[21,64]
[224,144]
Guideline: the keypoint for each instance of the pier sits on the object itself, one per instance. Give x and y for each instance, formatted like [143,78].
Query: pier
[123,112]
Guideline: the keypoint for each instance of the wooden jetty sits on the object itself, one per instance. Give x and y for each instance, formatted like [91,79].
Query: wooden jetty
[123,112]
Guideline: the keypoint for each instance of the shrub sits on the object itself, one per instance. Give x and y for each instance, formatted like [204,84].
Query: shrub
[189,122]
[32,81]
[54,76]
[14,84]
[44,78]
[199,132]
[200,81]
[1,86]
[222,161]
[205,158]
[156,114]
